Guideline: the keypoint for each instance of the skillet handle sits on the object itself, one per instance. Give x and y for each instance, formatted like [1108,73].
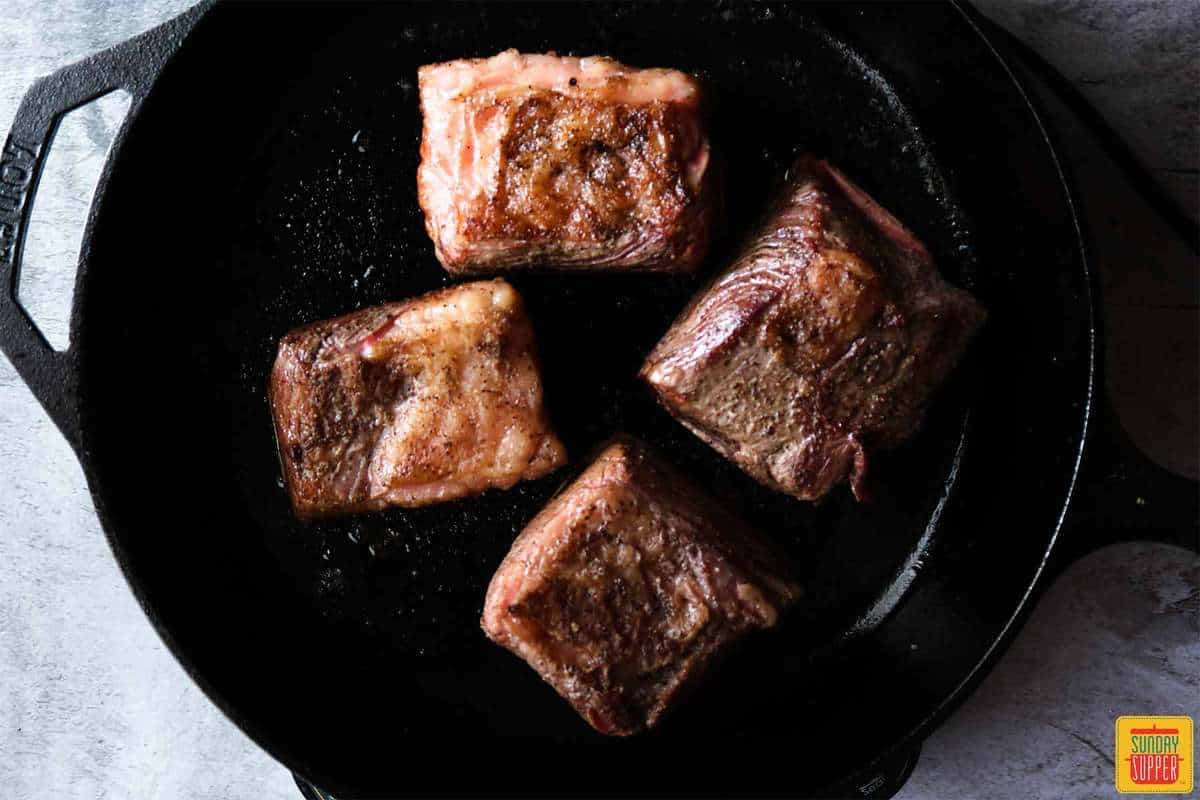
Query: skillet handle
[1122,495]
[133,66]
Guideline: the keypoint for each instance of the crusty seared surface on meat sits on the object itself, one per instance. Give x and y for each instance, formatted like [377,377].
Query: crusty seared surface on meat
[412,403]
[623,589]
[823,340]
[559,162]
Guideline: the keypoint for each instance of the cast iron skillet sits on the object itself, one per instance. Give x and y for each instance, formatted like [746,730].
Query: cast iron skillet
[265,179]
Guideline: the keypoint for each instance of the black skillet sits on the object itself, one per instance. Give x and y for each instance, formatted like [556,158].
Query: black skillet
[265,178]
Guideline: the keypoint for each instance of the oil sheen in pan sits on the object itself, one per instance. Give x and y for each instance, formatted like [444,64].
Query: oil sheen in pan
[894,592]
[334,226]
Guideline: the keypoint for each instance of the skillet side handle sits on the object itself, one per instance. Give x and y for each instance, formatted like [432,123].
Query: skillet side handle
[1120,494]
[133,66]
[1123,496]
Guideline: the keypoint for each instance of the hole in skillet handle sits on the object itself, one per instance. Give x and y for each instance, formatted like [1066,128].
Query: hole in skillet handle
[53,237]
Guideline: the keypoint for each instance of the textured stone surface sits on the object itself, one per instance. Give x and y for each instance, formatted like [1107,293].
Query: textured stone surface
[1135,60]
[93,706]
[1118,633]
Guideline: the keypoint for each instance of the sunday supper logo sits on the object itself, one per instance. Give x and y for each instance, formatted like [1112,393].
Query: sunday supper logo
[1154,755]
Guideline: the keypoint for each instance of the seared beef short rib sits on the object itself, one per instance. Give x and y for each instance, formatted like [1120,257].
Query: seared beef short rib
[412,403]
[569,163]
[624,588]
[823,340]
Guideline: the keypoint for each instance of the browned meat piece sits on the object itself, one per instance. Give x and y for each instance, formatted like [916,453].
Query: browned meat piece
[823,340]
[412,403]
[623,589]
[541,160]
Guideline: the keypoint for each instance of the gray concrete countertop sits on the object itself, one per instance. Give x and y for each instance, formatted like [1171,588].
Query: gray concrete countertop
[92,705]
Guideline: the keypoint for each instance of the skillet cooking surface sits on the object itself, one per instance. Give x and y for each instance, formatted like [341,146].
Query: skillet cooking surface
[269,181]
[335,226]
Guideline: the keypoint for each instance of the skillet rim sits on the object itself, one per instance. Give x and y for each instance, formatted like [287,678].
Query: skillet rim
[1000,642]
[1037,584]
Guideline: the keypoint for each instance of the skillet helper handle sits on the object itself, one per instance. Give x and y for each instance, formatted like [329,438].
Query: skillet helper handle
[133,66]
[1120,495]
[1123,496]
